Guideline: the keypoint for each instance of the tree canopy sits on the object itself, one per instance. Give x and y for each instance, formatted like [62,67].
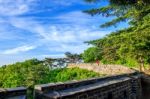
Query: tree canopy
[32,72]
[91,54]
[123,10]
[130,46]
[72,56]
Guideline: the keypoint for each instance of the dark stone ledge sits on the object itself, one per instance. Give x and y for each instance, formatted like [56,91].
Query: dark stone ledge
[13,93]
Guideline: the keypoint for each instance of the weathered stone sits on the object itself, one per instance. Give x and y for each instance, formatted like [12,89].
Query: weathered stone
[102,68]
[13,93]
[126,86]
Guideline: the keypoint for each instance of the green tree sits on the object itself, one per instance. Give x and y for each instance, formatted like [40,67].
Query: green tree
[128,44]
[32,72]
[122,10]
[73,57]
[91,54]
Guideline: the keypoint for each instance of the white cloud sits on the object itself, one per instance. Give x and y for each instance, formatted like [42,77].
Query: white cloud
[18,49]
[77,17]
[60,34]
[51,55]
[15,7]
[67,2]
[11,59]
[79,48]
[67,33]
[19,7]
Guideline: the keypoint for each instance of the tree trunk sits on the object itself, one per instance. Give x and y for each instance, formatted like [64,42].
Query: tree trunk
[143,66]
[141,61]
[140,68]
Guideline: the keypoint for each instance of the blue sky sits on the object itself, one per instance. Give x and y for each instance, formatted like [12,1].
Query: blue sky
[47,28]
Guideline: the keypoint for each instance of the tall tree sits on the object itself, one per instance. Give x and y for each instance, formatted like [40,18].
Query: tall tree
[74,57]
[91,54]
[131,43]
[123,10]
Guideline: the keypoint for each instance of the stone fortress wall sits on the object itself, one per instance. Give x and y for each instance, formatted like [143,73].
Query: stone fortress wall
[102,68]
[132,85]
[13,93]
[126,86]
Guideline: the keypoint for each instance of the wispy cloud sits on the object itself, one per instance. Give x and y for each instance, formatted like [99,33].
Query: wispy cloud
[51,55]
[18,49]
[15,7]
[60,35]
[38,33]
[66,3]
[82,25]
[78,18]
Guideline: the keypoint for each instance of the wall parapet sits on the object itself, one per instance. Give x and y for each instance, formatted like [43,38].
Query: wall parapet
[13,93]
[125,86]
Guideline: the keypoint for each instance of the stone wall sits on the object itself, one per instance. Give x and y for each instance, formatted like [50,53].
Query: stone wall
[126,86]
[102,69]
[145,80]
[13,93]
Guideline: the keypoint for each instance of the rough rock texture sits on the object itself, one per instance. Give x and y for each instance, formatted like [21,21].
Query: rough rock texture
[13,93]
[103,69]
[145,80]
[127,86]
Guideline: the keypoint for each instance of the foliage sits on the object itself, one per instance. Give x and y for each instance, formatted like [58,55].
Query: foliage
[122,10]
[32,72]
[124,47]
[62,75]
[129,46]
[91,54]
[73,56]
